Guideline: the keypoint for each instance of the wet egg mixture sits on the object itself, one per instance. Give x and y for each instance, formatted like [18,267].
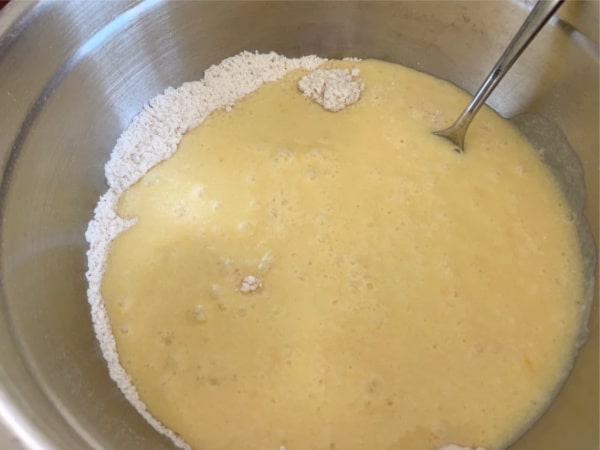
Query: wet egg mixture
[309,279]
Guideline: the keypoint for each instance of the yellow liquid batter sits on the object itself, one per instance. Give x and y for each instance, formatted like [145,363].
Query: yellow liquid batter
[411,296]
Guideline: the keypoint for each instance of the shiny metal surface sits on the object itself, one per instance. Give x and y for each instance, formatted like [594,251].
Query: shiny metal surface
[537,18]
[72,76]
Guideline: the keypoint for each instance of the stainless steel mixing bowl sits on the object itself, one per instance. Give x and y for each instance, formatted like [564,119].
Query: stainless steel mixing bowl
[72,76]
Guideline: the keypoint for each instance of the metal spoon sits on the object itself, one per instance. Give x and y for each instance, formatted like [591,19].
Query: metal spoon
[539,15]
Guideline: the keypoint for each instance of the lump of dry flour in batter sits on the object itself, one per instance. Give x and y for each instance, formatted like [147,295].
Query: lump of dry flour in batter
[250,283]
[333,89]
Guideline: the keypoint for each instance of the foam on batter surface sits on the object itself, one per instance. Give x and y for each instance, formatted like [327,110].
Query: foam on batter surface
[292,277]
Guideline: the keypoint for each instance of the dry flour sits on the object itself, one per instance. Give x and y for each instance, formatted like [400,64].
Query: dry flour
[250,283]
[333,89]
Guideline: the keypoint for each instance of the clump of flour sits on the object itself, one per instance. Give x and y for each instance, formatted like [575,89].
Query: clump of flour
[333,89]
[153,137]
[250,283]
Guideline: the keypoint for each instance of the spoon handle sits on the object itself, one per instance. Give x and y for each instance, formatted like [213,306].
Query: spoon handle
[539,15]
